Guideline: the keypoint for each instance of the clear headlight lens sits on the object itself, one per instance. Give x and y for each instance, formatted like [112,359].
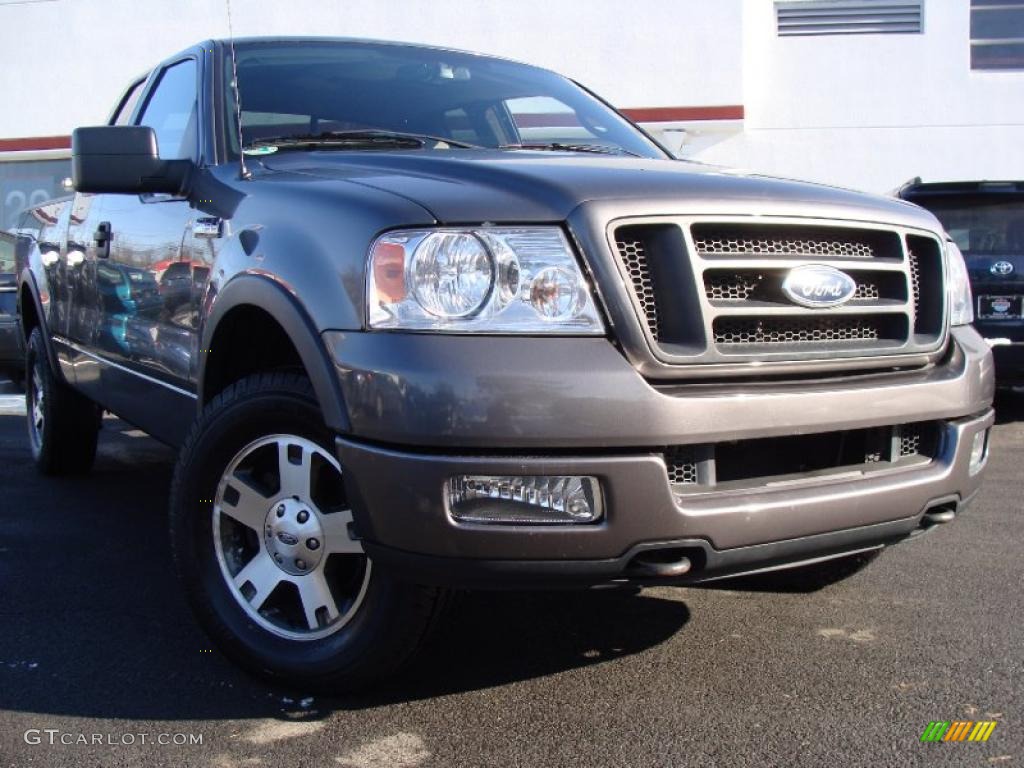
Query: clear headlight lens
[486,279]
[961,300]
[451,274]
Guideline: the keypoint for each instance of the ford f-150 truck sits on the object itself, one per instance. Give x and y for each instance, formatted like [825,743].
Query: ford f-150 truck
[420,319]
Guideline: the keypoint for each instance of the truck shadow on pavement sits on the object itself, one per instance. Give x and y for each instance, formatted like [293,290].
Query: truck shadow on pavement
[94,625]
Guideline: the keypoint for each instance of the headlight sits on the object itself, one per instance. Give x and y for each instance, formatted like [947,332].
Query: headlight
[961,301]
[487,279]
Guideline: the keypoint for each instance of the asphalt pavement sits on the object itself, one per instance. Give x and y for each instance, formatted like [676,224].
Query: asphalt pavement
[97,645]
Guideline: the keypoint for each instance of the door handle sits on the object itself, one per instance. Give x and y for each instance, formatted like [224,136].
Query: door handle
[103,235]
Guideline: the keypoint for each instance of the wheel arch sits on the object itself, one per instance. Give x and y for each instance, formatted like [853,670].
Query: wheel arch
[31,316]
[259,298]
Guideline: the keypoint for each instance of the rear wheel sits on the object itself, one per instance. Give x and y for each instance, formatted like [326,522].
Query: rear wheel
[264,540]
[63,426]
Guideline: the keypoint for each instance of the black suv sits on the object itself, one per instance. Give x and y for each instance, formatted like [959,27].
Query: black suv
[986,220]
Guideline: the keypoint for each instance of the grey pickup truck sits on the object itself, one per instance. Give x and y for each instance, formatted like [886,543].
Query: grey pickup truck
[419,319]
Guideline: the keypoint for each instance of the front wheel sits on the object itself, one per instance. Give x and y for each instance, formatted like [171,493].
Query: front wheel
[266,546]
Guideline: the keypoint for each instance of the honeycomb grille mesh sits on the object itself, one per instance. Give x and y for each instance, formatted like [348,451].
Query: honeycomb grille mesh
[682,466]
[917,439]
[915,281]
[634,259]
[836,246]
[731,287]
[794,330]
[867,291]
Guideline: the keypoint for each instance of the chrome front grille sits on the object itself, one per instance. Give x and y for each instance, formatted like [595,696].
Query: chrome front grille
[711,291]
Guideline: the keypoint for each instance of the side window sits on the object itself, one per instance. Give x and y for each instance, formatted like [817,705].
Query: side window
[171,111]
[127,108]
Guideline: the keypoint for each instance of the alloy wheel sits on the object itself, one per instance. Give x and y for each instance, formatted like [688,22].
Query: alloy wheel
[282,533]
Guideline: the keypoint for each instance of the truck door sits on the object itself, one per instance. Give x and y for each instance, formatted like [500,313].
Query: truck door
[139,286]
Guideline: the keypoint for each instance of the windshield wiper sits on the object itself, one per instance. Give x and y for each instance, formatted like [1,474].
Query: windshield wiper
[555,146]
[358,139]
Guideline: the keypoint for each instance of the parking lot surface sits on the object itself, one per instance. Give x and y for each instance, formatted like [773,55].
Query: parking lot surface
[96,640]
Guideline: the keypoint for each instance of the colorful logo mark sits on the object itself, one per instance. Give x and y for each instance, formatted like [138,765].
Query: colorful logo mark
[958,730]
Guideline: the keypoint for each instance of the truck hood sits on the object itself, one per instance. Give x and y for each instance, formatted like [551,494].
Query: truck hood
[474,186]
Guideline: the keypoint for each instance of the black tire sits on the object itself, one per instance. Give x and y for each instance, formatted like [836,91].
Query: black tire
[384,629]
[63,432]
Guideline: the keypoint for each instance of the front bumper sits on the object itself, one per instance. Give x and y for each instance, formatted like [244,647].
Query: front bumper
[456,406]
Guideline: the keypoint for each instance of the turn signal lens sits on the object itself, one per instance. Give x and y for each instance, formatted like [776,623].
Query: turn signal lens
[979,451]
[961,301]
[524,500]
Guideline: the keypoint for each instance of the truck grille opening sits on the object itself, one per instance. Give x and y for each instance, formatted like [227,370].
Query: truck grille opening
[793,240]
[803,330]
[752,462]
[634,258]
[766,286]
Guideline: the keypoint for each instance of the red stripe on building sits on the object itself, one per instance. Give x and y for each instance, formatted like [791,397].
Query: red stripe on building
[35,143]
[679,114]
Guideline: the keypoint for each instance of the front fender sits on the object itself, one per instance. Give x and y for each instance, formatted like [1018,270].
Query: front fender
[262,291]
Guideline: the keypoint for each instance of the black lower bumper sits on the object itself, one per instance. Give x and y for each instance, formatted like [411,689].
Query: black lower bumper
[704,563]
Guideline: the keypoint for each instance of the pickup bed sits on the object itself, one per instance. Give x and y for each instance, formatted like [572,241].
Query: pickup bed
[420,319]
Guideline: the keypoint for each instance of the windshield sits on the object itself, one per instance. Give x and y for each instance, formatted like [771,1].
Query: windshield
[981,224]
[311,88]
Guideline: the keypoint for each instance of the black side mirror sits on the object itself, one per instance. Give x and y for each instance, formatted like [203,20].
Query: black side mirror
[124,159]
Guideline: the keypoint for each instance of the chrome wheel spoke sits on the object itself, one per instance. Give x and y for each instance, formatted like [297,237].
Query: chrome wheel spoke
[295,476]
[316,596]
[263,575]
[337,538]
[249,507]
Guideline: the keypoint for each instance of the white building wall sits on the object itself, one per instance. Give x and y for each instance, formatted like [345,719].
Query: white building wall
[871,111]
[67,61]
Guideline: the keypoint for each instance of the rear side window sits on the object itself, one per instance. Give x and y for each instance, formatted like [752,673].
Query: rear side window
[171,111]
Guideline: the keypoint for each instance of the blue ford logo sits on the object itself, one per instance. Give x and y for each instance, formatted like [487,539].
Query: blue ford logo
[287,539]
[818,286]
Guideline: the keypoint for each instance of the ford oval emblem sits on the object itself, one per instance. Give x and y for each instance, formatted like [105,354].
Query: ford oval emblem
[1001,268]
[287,539]
[818,286]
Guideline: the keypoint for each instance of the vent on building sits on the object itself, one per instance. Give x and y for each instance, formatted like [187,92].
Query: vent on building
[848,17]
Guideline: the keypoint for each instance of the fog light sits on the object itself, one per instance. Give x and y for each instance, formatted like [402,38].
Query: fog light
[979,450]
[523,500]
